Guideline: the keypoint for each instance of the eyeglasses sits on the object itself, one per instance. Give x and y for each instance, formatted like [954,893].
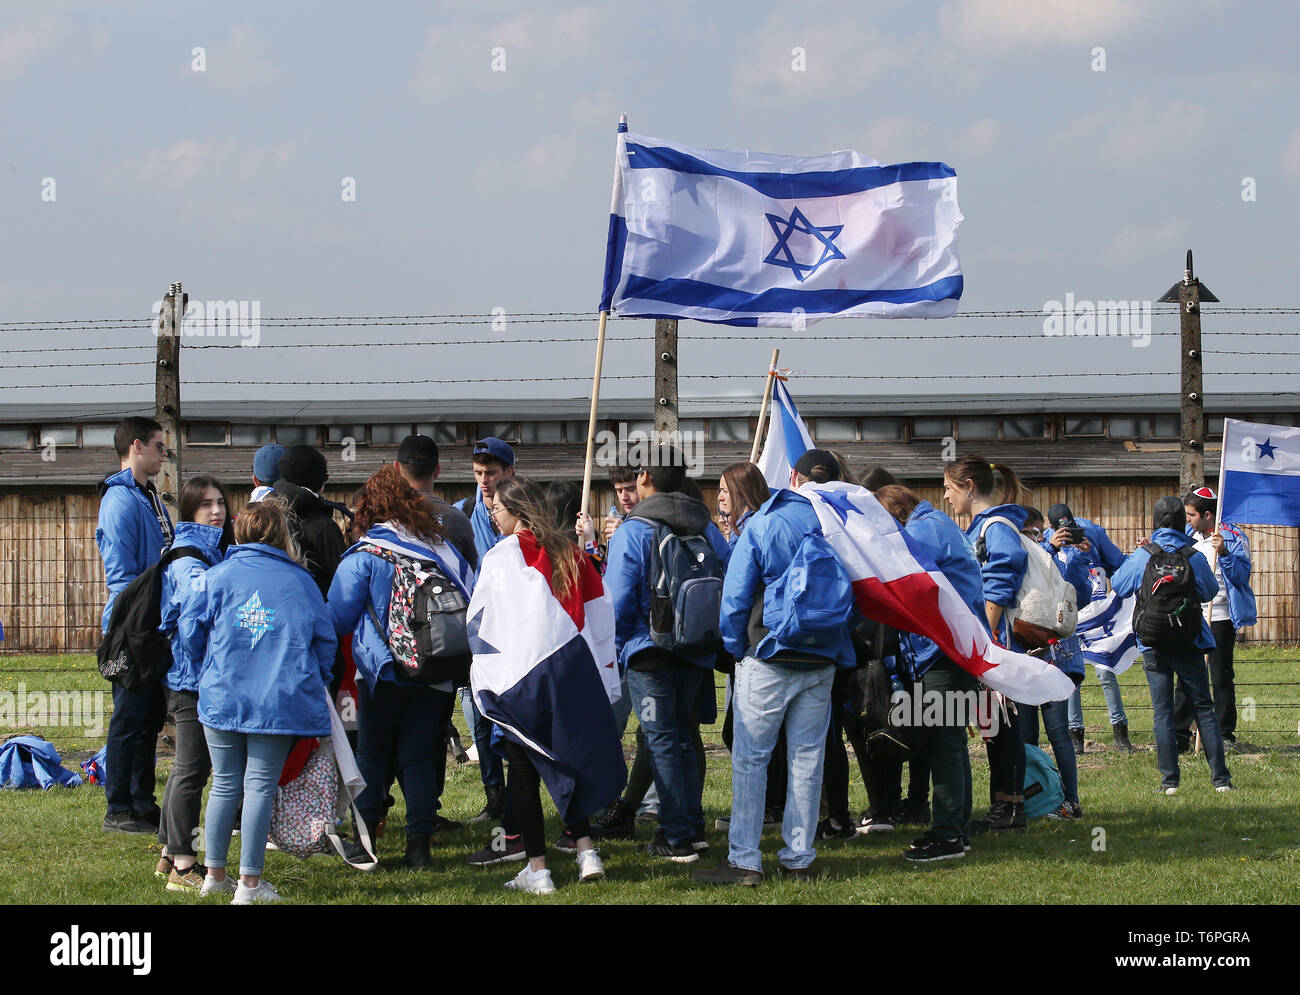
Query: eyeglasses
[1035,533]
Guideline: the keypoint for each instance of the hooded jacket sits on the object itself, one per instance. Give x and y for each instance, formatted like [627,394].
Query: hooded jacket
[1234,563]
[178,582]
[364,580]
[1128,577]
[952,554]
[760,557]
[1004,570]
[321,540]
[130,534]
[261,628]
[628,567]
[1076,567]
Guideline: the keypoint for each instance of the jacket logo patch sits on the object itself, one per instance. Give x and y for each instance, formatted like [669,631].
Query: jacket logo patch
[256,619]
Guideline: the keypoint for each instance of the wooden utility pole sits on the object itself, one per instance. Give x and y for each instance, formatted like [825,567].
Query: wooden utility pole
[1189,294]
[665,374]
[167,395]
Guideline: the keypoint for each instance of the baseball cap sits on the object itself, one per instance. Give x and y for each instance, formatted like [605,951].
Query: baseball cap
[1060,515]
[266,463]
[495,448]
[419,452]
[818,457]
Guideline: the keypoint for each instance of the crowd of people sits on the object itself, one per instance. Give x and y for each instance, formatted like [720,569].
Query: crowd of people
[269,613]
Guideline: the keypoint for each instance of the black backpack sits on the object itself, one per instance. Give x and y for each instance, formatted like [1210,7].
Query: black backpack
[685,593]
[1168,612]
[134,654]
[438,623]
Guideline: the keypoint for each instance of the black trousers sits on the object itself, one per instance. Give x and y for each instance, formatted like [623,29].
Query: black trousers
[835,770]
[183,795]
[526,796]
[1225,689]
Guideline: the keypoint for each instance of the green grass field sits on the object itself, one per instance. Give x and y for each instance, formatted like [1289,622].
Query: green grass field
[1133,846]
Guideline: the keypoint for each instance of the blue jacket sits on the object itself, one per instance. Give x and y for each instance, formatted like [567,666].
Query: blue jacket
[179,580]
[1104,553]
[762,554]
[364,580]
[1234,563]
[1129,576]
[1004,569]
[628,565]
[1075,566]
[128,534]
[485,532]
[943,542]
[738,527]
[260,626]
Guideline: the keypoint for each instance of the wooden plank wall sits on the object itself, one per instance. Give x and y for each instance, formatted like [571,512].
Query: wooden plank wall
[52,580]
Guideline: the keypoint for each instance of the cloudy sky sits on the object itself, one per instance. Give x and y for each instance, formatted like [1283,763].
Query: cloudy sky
[1094,142]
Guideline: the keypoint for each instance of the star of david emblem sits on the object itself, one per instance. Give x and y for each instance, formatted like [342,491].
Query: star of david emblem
[256,619]
[822,236]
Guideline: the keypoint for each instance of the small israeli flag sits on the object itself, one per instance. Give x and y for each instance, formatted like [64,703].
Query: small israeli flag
[746,238]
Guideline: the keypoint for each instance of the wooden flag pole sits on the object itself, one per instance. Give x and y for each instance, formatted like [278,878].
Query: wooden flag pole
[591,419]
[762,411]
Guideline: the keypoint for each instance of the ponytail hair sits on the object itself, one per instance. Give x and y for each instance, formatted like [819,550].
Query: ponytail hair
[983,475]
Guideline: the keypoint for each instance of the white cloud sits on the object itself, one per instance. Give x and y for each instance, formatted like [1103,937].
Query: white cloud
[979,140]
[997,26]
[1138,132]
[241,62]
[1135,243]
[824,56]
[461,58]
[896,139]
[551,162]
[1291,158]
[20,46]
[189,161]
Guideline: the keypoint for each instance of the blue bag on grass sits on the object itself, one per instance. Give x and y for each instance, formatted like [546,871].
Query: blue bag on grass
[1043,793]
[31,762]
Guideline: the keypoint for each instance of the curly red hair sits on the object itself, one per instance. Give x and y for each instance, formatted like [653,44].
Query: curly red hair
[387,497]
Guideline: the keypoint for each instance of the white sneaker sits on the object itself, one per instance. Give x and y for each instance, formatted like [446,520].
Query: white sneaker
[589,866]
[1171,791]
[264,892]
[534,882]
[211,886]
[1225,788]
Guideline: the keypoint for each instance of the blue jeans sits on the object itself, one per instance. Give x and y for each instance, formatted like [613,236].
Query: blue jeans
[1058,734]
[1189,666]
[406,722]
[664,700]
[765,696]
[132,741]
[490,766]
[247,766]
[1114,702]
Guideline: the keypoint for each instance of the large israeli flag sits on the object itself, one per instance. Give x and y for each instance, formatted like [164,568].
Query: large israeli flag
[747,238]
[1259,478]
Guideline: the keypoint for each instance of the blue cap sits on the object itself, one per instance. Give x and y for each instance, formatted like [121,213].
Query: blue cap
[266,463]
[496,449]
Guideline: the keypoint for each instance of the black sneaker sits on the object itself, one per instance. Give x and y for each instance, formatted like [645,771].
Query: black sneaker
[798,873]
[1019,823]
[914,814]
[827,830]
[148,818]
[699,844]
[619,823]
[499,851]
[126,822]
[678,853]
[874,824]
[998,819]
[727,873]
[445,825]
[565,842]
[931,849]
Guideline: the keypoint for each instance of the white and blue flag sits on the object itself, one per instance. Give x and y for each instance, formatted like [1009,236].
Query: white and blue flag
[747,238]
[787,438]
[1259,478]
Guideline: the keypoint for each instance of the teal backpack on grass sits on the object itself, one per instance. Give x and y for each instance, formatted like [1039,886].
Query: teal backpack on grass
[1043,793]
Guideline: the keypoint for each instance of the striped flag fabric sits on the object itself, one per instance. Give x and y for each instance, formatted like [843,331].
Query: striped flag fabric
[1106,631]
[545,672]
[1259,478]
[747,238]
[896,582]
[787,438]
